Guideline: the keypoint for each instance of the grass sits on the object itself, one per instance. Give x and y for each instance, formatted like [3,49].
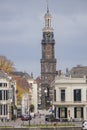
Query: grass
[49,125]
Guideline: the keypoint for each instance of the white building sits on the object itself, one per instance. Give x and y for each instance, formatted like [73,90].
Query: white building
[70,97]
[34,93]
[25,103]
[7,96]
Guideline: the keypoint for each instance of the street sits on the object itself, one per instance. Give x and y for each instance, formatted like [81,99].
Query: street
[18,123]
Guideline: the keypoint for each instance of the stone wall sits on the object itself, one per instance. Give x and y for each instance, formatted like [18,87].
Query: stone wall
[70,128]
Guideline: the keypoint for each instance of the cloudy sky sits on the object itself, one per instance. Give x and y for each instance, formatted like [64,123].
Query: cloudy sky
[21,23]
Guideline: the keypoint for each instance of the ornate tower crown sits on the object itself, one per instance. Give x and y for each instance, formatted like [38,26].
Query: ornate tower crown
[47,17]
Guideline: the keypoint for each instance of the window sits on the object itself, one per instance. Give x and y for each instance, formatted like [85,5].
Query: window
[0,94]
[0,109]
[77,95]
[63,95]
[62,112]
[78,112]
[0,84]
[4,109]
[6,94]
[48,23]
[47,92]
[5,84]
[54,95]
[86,94]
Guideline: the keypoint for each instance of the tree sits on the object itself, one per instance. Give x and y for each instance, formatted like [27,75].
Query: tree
[6,64]
[19,92]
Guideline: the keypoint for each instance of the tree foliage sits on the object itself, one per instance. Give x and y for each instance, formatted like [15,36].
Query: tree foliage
[19,93]
[6,64]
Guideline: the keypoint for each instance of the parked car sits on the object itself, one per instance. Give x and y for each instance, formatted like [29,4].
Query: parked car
[26,117]
[64,119]
[84,125]
[49,118]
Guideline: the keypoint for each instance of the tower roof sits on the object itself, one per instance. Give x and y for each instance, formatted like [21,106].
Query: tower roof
[47,17]
[47,8]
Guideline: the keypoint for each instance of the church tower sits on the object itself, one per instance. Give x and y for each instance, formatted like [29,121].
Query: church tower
[48,61]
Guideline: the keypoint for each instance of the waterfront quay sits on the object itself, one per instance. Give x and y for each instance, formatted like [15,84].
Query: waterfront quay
[64,128]
[39,123]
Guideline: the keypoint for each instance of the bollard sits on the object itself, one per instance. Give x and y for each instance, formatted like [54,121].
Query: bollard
[54,124]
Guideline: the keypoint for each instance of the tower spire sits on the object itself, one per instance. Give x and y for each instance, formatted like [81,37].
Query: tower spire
[47,6]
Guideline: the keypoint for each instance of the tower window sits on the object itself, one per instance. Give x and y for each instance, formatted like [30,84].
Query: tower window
[48,22]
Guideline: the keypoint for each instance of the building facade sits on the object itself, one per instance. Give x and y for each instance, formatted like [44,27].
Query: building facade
[70,97]
[26,92]
[22,91]
[34,96]
[25,103]
[38,80]
[48,61]
[7,96]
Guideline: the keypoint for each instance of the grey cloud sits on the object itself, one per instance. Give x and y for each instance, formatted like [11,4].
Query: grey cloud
[21,23]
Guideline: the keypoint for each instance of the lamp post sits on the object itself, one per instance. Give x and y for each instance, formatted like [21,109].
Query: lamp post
[45,92]
[45,101]
[48,100]
[29,116]
[29,107]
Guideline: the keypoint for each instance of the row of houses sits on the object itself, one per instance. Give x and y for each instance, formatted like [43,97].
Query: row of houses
[19,90]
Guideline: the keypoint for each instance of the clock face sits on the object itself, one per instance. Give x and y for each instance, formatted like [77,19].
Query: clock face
[48,36]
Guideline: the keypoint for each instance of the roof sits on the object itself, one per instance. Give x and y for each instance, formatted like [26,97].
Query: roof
[4,75]
[78,71]
[22,74]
